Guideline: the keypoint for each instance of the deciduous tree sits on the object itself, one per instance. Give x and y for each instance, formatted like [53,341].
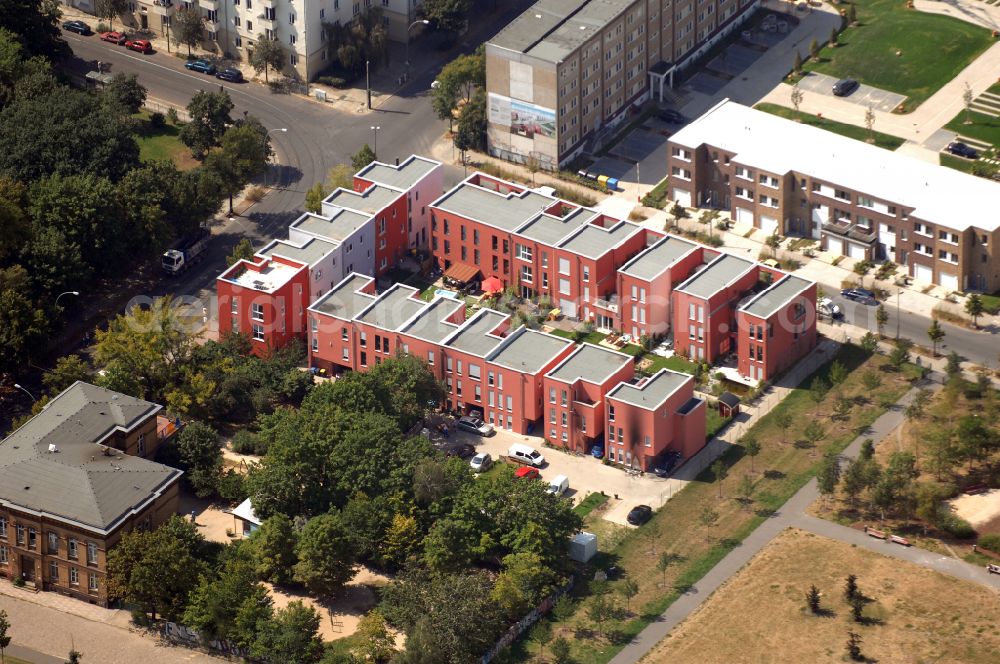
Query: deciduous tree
[188,27]
[267,54]
[974,307]
[935,333]
[110,9]
[327,554]
[273,549]
[210,117]
[446,15]
[751,446]
[68,370]
[363,157]
[377,644]
[124,94]
[201,457]
[881,318]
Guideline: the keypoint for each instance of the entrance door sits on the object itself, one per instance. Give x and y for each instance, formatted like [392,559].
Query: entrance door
[28,569]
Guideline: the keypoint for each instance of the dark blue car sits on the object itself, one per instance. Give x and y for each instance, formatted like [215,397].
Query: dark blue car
[597,451]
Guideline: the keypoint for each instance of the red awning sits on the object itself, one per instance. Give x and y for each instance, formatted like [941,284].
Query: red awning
[462,273]
[492,285]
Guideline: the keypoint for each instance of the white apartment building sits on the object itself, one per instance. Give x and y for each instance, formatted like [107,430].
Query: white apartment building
[232,26]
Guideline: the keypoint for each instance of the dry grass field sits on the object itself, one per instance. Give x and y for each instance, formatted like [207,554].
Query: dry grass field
[761,614]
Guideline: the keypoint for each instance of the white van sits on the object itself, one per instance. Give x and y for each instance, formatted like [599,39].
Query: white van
[558,486]
[526,454]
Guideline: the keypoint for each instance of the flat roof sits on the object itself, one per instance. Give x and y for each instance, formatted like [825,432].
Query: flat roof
[552,29]
[652,392]
[372,200]
[528,350]
[404,176]
[393,308]
[658,257]
[715,276]
[338,226]
[592,241]
[776,296]
[430,324]
[344,301]
[474,336]
[79,482]
[269,277]
[310,252]
[549,229]
[590,363]
[937,194]
[504,211]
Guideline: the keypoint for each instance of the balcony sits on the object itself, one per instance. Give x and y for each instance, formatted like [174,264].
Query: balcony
[210,5]
[164,7]
[862,234]
[610,304]
[265,22]
[837,227]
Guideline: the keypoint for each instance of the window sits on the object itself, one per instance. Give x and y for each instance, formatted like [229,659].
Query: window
[474,372]
[523,252]
[32,538]
[364,359]
[142,443]
[344,355]
[3,554]
[257,311]
[291,18]
[489,378]
[234,305]
[586,273]
[526,274]
[3,527]
[458,391]
[258,332]
[19,537]
[449,365]
[91,553]
[479,394]
[564,266]
[564,286]
[291,40]
[92,582]
[74,576]
[53,570]
[552,395]
[564,419]
[53,543]
[948,237]
[364,340]
[71,549]
[293,59]
[510,403]
[552,415]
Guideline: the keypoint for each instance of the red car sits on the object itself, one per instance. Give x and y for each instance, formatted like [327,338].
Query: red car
[113,37]
[140,45]
[528,473]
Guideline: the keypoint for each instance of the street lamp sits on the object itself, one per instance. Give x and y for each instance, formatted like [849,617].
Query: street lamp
[898,293]
[66,293]
[26,392]
[420,22]
[269,131]
[375,142]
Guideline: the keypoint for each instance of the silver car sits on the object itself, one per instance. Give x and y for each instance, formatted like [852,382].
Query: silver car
[481,462]
[475,425]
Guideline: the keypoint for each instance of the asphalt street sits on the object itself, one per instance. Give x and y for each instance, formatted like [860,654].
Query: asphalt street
[980,347]
[317,138]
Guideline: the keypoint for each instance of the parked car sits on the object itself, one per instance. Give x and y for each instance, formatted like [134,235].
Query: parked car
[474,425]
[79,27]
[231,75]
[526,473]
[114,37]
[203,66]
[639,515]
[558,485]
[671,116]
[481,462]
[460,450]
[597,451]
[526,455]
[862,295]
[827,307]
[139,45]
[844,87]
[962,150]
[666,463]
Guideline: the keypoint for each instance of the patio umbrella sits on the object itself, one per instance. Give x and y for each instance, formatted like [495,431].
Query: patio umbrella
[492,285]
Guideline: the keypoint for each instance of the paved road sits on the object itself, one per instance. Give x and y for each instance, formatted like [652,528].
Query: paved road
[792,515]
[980,347]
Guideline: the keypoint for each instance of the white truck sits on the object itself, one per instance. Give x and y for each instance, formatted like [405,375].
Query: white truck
[185,252]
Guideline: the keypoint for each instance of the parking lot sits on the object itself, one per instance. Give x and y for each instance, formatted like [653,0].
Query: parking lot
[589,475]
[865,95]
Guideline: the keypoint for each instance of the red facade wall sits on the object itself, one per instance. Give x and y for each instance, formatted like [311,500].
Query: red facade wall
[284,310]
[717,325]
[391,239]
[584,408]
[787,336]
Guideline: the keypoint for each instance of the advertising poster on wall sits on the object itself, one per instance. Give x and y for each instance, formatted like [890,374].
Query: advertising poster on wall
[524,119]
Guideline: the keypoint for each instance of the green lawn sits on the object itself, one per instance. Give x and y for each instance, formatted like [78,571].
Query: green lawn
[594,338]
[159,143]
[714,422]
[933,49]
[675,363]
[589,504]
[991,303]
[983,128]
[851,131]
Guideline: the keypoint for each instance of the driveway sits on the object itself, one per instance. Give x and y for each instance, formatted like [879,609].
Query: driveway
[865,95]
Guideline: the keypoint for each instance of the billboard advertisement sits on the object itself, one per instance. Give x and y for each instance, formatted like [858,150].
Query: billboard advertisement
[523,118]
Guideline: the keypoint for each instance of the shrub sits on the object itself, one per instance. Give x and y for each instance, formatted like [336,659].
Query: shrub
[172,116]
[990,542]
[255,194]
[955,525]
[332,81]
[140,618]
[157,120]
[247,442]
[102,27]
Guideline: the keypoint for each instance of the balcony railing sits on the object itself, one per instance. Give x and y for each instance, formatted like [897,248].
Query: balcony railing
[164,7]
[837,227]
[607,304]
[852,231]
[210,5]
[862,234]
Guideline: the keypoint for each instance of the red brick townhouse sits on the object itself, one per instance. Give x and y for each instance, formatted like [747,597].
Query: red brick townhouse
[653,417]
[776,327]
[73,479]
[365,230]
[732,304]
[858,200]
[521,380]
[646,284]
[538,244]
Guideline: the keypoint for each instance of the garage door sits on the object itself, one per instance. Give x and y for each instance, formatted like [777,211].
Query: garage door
[949,281]
[835,246]
[568,308]
[744,216]
[923,273]
[856,251]
[682,197]
[769,225]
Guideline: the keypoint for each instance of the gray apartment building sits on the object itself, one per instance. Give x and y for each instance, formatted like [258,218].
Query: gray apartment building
[941,225]
[565,69]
